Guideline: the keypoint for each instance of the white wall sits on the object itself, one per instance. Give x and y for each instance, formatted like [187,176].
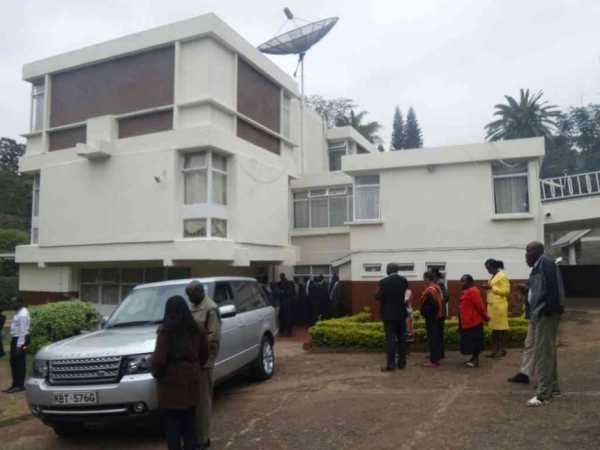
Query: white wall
[321,250]
[47,279]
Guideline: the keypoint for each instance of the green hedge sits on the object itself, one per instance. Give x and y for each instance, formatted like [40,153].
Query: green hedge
[360,332]
[61,320]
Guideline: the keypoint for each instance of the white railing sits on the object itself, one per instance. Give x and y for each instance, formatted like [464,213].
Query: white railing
[570,186]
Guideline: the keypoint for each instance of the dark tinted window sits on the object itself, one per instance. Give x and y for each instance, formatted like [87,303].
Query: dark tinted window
[223,294]
[247,296]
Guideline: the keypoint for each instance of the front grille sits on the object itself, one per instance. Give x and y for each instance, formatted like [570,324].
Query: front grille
[85,371]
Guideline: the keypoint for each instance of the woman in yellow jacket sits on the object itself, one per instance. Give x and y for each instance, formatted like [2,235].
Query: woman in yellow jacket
[498,291]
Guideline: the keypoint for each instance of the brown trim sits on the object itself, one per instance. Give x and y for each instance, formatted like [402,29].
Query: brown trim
[146,124]
[258,97]
[258,137]
[41,298]
[61,139]
[122,85]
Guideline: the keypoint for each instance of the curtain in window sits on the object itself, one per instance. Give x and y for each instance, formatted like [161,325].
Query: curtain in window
[218,228]
[367,202]
[219,193]
[337,211]
[511,195]
[193,228]
[318,212]
[301,214]
[195,187]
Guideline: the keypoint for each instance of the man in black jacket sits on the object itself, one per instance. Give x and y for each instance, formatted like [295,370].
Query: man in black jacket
[546,293]
[393,314]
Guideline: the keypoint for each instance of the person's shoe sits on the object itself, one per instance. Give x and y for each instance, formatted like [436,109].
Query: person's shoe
[492,355]
[519,378]
[8,389]
[431,365]
[472,364]
[501,354]
[388,369]
[535,402]
[14,390]
[556,393]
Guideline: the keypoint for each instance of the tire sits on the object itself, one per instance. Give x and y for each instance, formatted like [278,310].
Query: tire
[68,429]
[264,366]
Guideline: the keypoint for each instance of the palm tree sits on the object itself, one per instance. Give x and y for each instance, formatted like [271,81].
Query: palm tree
[529,117]
[368,130]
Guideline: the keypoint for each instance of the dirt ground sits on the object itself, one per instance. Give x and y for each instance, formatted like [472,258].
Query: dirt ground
[339,401]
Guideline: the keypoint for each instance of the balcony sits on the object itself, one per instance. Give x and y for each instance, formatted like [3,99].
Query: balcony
[570,186]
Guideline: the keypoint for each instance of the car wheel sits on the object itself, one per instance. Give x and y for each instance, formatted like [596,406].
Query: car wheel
[264,366]
[68,429]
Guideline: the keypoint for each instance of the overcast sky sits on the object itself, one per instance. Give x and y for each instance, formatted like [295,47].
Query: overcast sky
[452,60]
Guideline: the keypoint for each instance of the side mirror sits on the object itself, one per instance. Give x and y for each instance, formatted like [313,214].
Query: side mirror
[103,322]
[227,311]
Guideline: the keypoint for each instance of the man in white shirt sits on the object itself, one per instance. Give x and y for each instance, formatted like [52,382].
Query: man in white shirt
[19,333]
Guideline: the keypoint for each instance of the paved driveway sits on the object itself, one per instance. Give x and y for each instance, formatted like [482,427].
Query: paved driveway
[342,401]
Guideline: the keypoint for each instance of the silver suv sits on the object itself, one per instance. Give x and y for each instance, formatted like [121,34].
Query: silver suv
[105,375]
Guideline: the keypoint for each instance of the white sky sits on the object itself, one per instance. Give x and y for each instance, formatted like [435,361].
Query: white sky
[452,60]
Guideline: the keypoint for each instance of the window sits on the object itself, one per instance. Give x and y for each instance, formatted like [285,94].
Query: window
[406,268]
[109,286]
[372,268]
[366,199]
[247,296]
[194,228]
[336,151]
[511,186]
[35,210]
[37,106]
[286,115]
[302,272]
[218,228]
[223,294]
[441,267]
[321,208]
[201,170]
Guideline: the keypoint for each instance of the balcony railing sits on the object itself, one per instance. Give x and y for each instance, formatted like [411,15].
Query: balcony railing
[570,186]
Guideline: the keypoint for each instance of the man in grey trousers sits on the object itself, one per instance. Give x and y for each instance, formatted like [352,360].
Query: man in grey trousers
[546,294]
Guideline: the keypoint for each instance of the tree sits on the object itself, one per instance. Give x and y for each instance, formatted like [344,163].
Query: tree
[561,157]
[413,134]
[585,122]
[15,189]
[10,152]
[398,140]
[355,119]
[330,109]
[380,148]
[528,117]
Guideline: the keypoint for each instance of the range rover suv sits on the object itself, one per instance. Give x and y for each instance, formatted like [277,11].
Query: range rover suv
[105,375]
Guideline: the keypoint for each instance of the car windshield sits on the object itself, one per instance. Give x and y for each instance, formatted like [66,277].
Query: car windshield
[145,306]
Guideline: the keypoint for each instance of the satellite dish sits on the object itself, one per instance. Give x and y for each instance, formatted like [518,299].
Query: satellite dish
[298,40]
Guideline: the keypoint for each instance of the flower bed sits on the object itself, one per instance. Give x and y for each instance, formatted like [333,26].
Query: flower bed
[361,333]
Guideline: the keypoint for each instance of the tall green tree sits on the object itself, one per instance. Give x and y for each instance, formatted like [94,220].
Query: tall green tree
[561,158]
[330,108]
[368,129]
[585,122]
[398,140]
[530,116]
[413,134]
[15,189]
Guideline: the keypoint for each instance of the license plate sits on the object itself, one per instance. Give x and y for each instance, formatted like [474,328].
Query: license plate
[75,398]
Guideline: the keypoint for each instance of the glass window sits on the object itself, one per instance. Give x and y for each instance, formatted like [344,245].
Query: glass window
[194,228]
[223,294]
[37,106]
[366,197]
[36,196]
[178,273]
[89,275]
[285,115]
[195,187]
[132,275]
[244,296]
[338,211]
[35,235]
[336,151]
[372,268]
[406,267]
[219,183]
[318,212]
[320,208]
[511,187]
[301,216]
[218,228]
[154,274]
[90,293]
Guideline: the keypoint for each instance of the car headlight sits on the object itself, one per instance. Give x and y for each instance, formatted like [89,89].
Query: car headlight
[40,368]
[137,364]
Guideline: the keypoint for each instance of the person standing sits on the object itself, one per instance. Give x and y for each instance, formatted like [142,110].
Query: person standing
[391,296]
[498,292]
[180,352]
[432,310]
[336,297]
[206,314]
[19,341]
[313,292]
[546,294]
[472,316]
[2,322]
[324,307]
[526,370]
[287,293]
[441,282]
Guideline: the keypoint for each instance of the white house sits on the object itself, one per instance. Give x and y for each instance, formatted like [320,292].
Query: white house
[177,152]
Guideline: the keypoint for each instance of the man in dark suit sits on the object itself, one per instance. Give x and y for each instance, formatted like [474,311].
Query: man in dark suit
[393,314]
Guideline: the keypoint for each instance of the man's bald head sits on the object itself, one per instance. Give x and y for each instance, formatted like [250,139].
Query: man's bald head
[533,252]
[195,292]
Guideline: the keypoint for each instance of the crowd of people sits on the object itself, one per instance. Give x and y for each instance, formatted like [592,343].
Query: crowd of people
[545,294]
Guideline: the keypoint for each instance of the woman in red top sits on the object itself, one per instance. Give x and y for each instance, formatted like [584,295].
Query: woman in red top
[472,316]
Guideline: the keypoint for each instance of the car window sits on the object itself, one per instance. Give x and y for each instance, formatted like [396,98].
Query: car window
[223,294]
[247,296]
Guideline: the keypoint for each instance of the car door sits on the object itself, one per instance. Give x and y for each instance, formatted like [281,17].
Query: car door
[252,307]
[231,330]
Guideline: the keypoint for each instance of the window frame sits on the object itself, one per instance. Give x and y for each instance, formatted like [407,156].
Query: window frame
[337,147]
[357,187]
[307,195]
[499,176]
[37,95]
[35,210]
[310,272]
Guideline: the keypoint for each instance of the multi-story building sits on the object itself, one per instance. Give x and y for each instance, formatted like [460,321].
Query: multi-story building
[180,151]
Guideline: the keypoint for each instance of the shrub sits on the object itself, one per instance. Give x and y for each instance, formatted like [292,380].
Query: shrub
[61,320]
[360,333]
[10,238]
[9,288]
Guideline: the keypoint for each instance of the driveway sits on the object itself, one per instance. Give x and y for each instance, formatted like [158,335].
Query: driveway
[337,401]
